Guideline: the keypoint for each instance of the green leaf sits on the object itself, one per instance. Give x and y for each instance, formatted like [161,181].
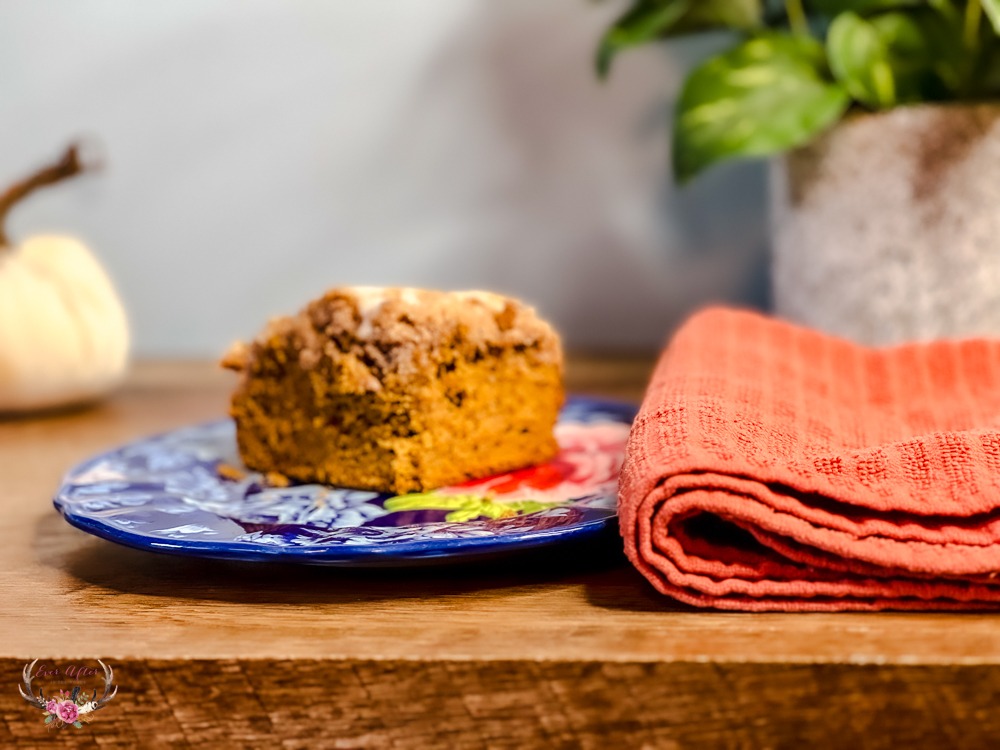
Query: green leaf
[859,58]
[715,14]
[898,57]
[992,8]
[862,7]
[464,507]
[768,94]
[644,22]
[78,725]
[987,80]
[926,53]
[648,20]
[49,718]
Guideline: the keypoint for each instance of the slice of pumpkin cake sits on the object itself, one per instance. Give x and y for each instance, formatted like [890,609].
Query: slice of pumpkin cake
[398,389]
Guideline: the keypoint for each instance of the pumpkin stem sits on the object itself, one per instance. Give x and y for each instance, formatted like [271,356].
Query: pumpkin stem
[67,166]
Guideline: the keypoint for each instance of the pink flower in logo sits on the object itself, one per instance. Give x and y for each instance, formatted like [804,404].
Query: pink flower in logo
[51,707]
[67,711]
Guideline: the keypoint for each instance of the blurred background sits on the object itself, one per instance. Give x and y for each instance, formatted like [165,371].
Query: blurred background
[260,151]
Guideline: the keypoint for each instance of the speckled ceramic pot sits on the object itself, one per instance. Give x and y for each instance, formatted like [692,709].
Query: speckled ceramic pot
[887,228]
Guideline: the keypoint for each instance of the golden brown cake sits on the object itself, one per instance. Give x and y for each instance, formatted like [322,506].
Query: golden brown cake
[398,389]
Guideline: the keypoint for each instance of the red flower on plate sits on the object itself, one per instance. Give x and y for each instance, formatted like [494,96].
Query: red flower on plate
[589,460]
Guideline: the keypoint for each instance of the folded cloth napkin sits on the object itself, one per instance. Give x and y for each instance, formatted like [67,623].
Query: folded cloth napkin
[772,467]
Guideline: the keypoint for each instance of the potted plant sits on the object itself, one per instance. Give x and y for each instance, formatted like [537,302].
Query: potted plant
[886,194]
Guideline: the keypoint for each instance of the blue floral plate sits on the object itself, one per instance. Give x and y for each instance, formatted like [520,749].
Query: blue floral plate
[173,493]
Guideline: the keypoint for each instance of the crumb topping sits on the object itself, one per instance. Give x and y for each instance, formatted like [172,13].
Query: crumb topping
[368,333]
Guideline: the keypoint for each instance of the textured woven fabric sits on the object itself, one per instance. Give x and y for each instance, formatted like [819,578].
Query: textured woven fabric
[772,467]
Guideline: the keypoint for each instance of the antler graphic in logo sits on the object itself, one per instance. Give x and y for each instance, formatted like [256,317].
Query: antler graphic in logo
[67,708]
[25,689]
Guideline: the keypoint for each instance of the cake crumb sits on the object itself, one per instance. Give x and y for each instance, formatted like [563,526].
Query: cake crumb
[230,472]
[236,357]
[277,479]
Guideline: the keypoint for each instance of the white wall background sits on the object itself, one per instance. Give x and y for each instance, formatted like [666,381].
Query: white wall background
[260,151]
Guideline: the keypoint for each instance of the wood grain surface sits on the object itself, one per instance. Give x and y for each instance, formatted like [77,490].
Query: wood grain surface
[565,649]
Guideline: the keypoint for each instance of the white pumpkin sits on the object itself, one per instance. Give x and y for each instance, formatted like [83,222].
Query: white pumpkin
[63,330]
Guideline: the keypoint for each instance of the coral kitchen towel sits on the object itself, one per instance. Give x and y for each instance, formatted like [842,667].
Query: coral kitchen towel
[776,468]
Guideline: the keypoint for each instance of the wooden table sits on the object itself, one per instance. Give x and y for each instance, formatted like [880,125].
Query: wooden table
[570,652]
